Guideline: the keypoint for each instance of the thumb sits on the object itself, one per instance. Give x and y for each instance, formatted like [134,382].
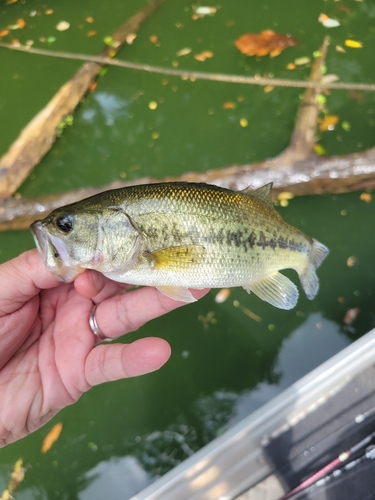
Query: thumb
[21,279]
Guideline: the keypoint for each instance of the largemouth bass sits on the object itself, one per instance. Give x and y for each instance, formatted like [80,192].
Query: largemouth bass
[175,236]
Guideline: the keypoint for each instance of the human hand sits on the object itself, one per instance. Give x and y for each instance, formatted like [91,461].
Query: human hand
[48,353]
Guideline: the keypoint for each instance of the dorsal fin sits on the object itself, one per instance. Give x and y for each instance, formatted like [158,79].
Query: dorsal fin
[263,193]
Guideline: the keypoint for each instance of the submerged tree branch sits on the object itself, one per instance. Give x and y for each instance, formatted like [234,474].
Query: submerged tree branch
[296,170]
[39,135]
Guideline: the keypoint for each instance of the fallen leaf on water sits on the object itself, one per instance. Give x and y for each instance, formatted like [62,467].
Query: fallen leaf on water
[202,11]
[366,197]
[183,52]
[51,437]
[206,54]
[268,88]
[152,105]
[129,39]
[351,261]
[15,43]
[8,2]
[267,42]
[353,44]
[328,123]
[351,315]
[302,60]
[21,23]
[243,122]
[93,86]
[4,33]
[319,149]
[63,26]
[340,49]
[222,295]
[153,38]
[291,66]
[17,476]
[89,19]
[327,22]
[92,33]
[229,105]
[48,12]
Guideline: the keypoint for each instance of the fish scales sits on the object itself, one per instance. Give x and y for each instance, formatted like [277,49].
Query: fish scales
[177,236]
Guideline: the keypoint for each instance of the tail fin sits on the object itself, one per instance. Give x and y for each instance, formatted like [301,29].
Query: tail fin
[309,279]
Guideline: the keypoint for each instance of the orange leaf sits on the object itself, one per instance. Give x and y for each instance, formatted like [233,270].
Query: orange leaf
[4,33]
[206,54]
[92,33]
[267,42]
[21,23]
[328,123]
[89,19]
[51,437]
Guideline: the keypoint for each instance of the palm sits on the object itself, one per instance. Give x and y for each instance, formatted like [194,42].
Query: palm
[48,353]
[47,372]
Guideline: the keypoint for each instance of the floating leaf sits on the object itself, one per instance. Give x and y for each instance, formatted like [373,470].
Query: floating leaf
[243,122]
[340,49]
[346,126]
[92,33]
[48,12]
[183,52]
[152,105]
[4,33]
[229,105]
[302,60]
[51,437]
[153,38]
[206,54]
[21,23]
[129,40]
[366,197]
[351,315]
[328,123]
[222,295]
[353,44]
[51,39]
[9,2]
[351,261]
[327,22]
[268,88]
[63,26]
[267,42]
[319,149]
[202,11]
[291,66]
[89,19]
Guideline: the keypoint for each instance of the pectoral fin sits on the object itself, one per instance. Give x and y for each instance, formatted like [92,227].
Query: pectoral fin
[174,257]
[177,293]
[276,289]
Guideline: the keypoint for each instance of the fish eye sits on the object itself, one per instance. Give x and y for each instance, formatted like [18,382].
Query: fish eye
[64,223]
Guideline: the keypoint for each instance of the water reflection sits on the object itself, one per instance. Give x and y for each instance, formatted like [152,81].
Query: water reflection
[111,107]
[109,479]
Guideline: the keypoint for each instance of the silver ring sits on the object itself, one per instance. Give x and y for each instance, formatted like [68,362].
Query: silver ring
[95,328]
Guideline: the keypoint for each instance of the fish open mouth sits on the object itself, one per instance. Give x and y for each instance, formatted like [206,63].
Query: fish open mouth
[54,254]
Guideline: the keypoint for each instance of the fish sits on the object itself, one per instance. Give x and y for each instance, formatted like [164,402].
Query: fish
[177,236]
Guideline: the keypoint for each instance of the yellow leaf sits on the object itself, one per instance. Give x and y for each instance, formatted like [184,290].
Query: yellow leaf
[51,437]
[353,44]
[328,123]
[206,54]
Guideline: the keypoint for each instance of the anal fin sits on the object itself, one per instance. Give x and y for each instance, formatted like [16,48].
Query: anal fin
[177,293]
[276,289]
[177,256]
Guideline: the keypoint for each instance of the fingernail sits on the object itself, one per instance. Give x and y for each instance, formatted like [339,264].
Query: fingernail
[97,280]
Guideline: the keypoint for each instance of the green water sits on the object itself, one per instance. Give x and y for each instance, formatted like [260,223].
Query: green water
[121,436]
